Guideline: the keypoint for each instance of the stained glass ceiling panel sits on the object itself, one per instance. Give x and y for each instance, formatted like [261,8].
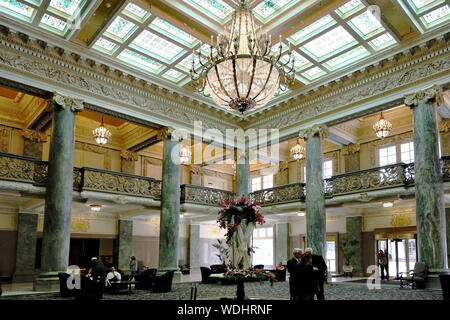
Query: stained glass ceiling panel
[311,29]
[53,22]
[152,43]
[439,15]
[120,28]
[333,41]
[422,3]
[105,45]
[12,7]
[300,61]
[66,6]
[217,7]
[314,73]
[269,7]
[133,9]
[186,63]
[174,75]
[347,57]
[140,61]
[349,8]
[366,24]
[382,41]
[165,27]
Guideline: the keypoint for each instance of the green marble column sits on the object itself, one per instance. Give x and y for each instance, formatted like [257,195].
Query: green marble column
[170,205]
[315,194]
[242,173]
[281,243]
[194,247]
[58,197]
[430,212]
[125,245]
[354,242]
[26,247]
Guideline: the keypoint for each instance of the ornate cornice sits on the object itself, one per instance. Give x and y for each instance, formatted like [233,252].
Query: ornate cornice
[34,136]
[63,102]
[34,60]
[316,130]
[430,94]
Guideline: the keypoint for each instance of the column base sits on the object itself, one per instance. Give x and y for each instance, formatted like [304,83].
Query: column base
[433,281]
[20,277]
[46,281]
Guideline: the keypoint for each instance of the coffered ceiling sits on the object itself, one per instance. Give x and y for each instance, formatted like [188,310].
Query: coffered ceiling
[156,38]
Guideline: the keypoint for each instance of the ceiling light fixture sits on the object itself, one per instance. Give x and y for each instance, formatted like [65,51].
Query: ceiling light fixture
[298,151]
[388,204]
[301,214]
[96,207]
[101,134]
[382,127]
[244,74]
[185,155]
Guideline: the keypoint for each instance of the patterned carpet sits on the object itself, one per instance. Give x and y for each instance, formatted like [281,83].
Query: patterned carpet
[259,290]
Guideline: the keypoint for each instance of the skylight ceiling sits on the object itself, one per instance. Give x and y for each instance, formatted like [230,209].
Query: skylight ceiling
[426,14]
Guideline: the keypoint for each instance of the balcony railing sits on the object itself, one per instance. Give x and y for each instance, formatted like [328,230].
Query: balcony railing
[26,169]
[203,195]
[283,194]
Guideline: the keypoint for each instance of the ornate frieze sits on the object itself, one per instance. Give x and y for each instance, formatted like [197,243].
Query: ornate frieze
[315,130]
[34,135]
[430,94]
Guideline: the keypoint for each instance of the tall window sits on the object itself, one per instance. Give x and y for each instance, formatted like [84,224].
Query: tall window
[327,168]
[262,182]
[304,173]
[263,246]
[402,152]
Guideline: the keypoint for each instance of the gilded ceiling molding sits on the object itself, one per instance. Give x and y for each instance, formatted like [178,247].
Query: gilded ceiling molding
[430,94]
[444,125]
[63,102]
[350,149]
[30,59]
[34,135]
[411,72]
[129,155]
[316,130]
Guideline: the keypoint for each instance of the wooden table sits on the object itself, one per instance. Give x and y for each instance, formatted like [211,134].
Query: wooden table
[127,282]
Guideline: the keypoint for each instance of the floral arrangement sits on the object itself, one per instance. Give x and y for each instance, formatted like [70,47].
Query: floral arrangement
[247,274]
[236,211]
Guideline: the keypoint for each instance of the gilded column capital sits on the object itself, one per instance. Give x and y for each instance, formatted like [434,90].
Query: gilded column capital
[444,125]
[63,102]
[428,94]
[315,130]
[350,149]
[34,135]
[169,133]
[129,155]
[197,170]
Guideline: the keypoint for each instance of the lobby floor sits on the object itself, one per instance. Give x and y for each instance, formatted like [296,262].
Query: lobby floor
[337,290]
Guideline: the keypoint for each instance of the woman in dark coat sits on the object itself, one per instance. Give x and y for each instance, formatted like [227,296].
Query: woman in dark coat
[306,282]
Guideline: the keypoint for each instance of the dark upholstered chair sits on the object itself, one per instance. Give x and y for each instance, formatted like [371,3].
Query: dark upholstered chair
[416,278]
[63,290]
[280,274]
[206,273]
[445,285]
[144,280]
[90,289]
[163,283]
[259,266]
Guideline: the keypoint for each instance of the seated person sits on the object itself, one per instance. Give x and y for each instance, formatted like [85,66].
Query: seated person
[113,275]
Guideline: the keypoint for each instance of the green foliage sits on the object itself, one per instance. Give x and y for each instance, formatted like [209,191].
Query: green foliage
[349,247]
[224,251]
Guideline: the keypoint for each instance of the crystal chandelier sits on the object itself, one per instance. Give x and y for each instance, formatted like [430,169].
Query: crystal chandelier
[382,127]
[298,151]
[241,72]
[185,155]
[101,134]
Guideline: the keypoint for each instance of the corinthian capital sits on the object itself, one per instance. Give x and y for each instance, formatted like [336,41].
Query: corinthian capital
[34,136]
[444,125]
[429,94]
[316,130]
[165,133]
[63,102]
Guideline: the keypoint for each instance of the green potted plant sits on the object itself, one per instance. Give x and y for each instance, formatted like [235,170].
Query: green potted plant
[349,248]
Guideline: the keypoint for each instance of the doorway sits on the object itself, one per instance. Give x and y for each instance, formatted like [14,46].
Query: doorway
[402,254]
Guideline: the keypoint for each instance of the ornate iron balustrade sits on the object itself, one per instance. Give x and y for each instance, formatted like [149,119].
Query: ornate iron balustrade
[445,164]
[203,195]
[399,174]
[282,194]
[16,168]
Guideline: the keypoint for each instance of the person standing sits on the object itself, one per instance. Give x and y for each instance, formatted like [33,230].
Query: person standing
[320,271]
[380,262]
[291,266]
[385,265]
[96,270]
[133,267]
[305,280]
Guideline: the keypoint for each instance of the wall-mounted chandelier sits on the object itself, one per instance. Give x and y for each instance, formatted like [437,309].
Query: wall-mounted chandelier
[298,151]
[101,134]
[243,73]
[382,127]
[185,155]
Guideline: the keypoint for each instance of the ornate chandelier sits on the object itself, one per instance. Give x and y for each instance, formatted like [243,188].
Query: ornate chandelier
[382,127]
[243,73]
[298,151]
[185,155]
[101,134]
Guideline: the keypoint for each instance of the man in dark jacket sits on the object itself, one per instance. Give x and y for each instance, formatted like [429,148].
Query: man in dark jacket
[97,270]
[292,266]
[320,268]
